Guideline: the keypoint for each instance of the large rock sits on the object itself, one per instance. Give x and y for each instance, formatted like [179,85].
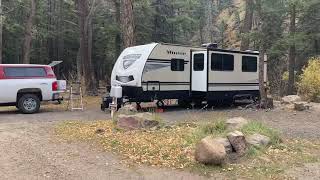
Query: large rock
[209,151]
[236,123]
[290,99]
[258,140]
[225,142]
[136,121]
[238,142]
[128,123]
[128,109]
[301,106]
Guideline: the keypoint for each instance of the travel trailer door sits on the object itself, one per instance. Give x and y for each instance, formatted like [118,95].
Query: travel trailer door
[199,71]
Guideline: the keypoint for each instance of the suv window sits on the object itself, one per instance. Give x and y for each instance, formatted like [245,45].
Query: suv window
[222,62]
[177,65]
[25,72]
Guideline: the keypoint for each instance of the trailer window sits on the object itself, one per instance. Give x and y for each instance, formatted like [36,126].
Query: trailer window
[249,64]
[24,72]
[177,64]
[222,62]
[198,62]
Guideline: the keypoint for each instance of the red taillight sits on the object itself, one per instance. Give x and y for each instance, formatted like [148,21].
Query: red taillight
[55,86]
[1,73]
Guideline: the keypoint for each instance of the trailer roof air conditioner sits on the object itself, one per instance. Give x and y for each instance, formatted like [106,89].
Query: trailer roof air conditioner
[210,46]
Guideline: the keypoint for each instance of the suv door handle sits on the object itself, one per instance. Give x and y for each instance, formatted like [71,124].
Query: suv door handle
[44,84]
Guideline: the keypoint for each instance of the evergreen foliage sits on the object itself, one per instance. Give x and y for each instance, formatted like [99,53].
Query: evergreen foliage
[55,33]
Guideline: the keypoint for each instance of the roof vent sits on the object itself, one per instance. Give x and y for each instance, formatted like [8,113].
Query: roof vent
[210,45]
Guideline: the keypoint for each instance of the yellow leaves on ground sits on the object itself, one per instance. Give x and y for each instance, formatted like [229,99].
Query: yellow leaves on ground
[173,147]
[165,147]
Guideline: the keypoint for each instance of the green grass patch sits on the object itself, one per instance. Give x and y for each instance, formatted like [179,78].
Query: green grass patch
[215,128]
[257,127]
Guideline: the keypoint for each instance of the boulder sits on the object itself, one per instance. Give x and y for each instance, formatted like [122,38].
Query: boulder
[136,121]
[236,123]
[238,142]
[128,109]
[148,124]
[209,151]
[258,140]
[128,123]
[225,142]
[301,106]
[290,99]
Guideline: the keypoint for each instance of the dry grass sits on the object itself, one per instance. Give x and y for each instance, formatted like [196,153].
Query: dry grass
[173,147]
[89,102]
[165,147]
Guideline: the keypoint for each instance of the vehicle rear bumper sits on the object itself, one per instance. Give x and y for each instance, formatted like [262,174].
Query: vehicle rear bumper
[57,97]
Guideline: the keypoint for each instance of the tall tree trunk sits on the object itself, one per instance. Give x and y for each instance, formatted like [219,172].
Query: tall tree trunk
[262,49]
[49,30]
[1,27]
[85,24]
[292,50]
[90,71]
[247,25]
[208,34]
[28,34]
[127,21]
[117,6]
[262,87]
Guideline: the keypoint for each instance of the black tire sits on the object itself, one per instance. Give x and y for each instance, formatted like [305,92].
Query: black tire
[29,103]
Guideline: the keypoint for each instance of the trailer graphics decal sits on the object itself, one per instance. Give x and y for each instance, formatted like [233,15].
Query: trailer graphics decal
[128,60]
[152,66]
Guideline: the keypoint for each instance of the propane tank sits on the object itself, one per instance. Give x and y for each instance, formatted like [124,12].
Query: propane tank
[116,91]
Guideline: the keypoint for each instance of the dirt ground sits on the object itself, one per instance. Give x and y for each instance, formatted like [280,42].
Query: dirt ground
[29,149]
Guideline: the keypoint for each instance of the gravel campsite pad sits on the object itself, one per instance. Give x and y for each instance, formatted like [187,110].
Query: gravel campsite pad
[29,148]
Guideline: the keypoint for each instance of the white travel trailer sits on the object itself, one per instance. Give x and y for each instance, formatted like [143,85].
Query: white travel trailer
[159,71]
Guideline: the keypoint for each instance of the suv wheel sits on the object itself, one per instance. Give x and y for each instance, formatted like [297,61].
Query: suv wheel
[29,104]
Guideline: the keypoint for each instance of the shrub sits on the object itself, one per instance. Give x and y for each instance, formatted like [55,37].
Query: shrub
[309,84]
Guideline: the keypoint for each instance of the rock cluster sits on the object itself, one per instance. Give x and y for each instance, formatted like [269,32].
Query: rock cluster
[301,106]
[215,150]
[295,102]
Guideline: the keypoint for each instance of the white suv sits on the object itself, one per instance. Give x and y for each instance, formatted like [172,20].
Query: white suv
[26,85]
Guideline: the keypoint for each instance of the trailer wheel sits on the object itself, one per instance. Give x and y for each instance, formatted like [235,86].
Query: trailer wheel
[160,104]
